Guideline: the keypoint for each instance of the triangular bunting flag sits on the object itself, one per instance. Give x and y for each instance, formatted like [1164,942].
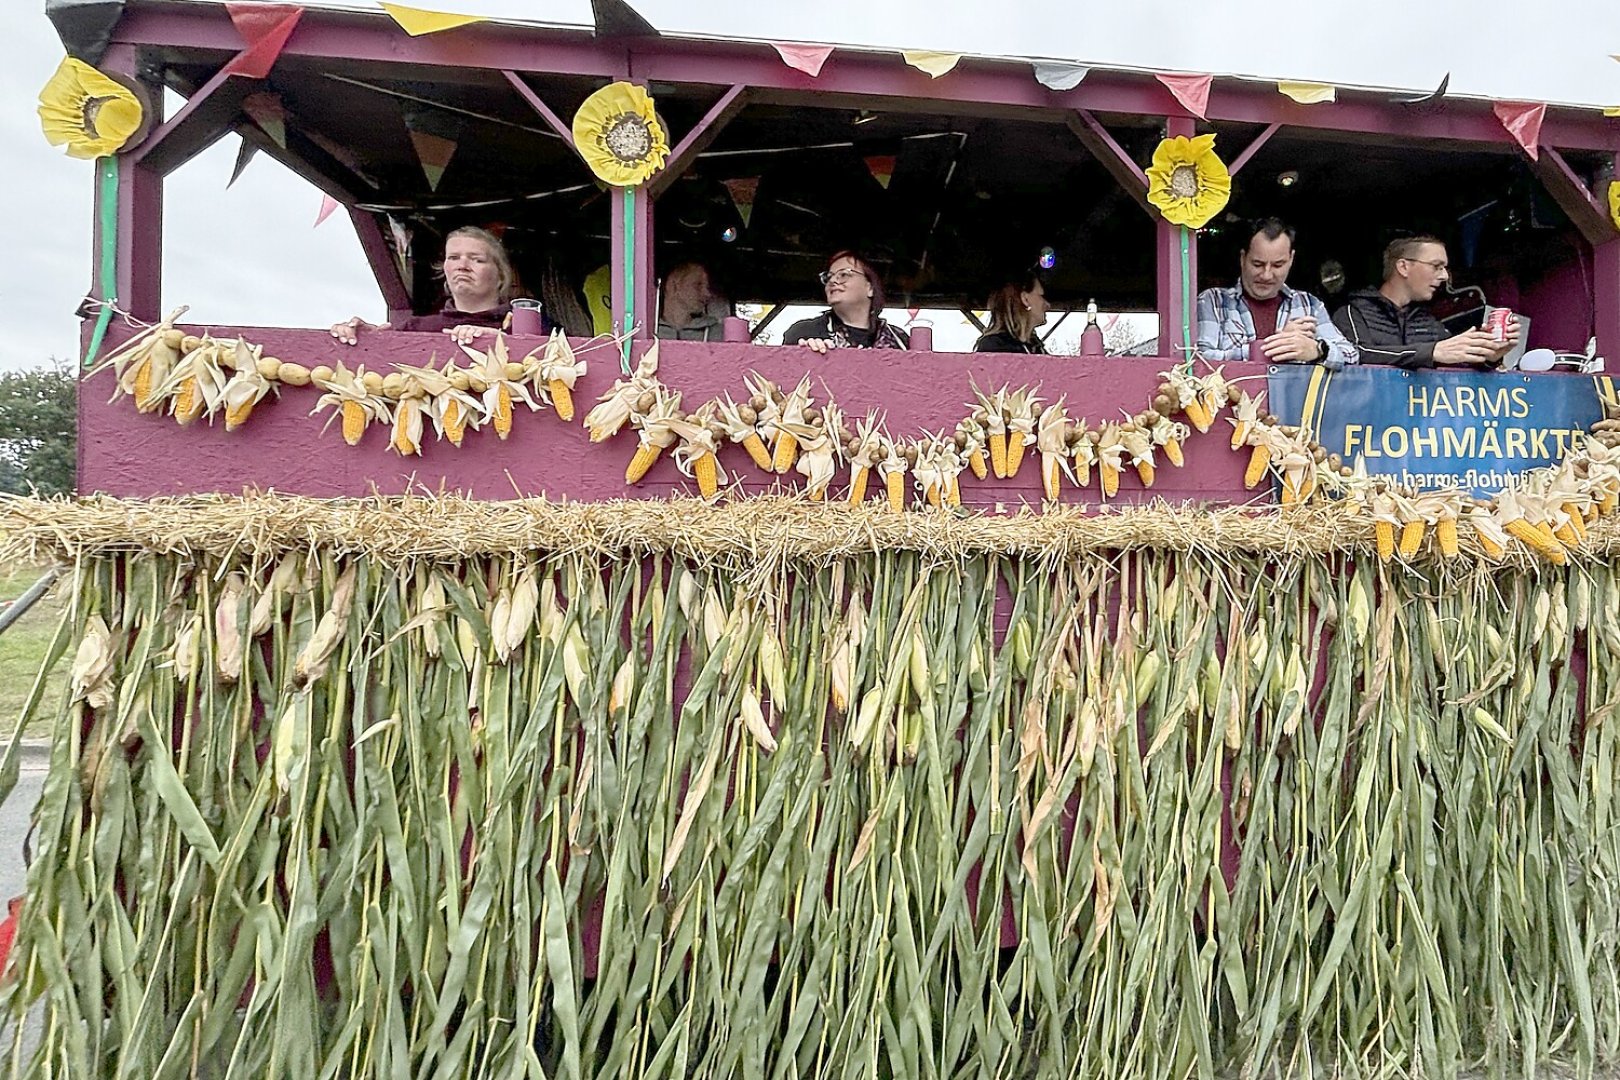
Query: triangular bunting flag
[265,28]
[266,110]
[1612,112]
[881,166]
[805,58]
[434,135]
[1426,99]
[934,63]
[1055,75]
[416,22]
[434,153]
[1191,90]
[1307,93]
[328,204]
[1523,122]
[244,154]
[742,197]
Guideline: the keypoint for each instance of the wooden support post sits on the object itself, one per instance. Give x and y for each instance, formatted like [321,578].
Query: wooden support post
[136,220]
[632,281]
[1111,156]
[1178,316]
[1253,148]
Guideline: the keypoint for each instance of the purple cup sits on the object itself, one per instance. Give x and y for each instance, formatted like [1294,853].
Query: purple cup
[922,338]
[526,317]
[734,328]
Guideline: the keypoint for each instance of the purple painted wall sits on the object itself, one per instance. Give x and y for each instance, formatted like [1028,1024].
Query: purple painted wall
[124,453]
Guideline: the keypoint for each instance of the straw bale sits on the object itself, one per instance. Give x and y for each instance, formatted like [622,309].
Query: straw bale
[748,532]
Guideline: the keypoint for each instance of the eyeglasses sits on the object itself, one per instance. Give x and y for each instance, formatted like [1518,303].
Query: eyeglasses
[839,276]
[1439,266]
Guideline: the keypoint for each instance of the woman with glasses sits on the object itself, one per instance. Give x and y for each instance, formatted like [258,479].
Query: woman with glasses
[854,315]
[1017,310]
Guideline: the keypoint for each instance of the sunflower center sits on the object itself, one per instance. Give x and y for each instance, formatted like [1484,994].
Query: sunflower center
[88,113]
[1184,181]
[628,138]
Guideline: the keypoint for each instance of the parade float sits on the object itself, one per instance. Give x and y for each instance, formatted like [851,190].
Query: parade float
[590,705]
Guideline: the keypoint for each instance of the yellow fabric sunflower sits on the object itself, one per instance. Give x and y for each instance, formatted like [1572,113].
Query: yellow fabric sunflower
[618,134]
[89,112]
[1187,182]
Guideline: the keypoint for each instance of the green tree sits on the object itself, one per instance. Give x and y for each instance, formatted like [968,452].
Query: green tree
[37,430]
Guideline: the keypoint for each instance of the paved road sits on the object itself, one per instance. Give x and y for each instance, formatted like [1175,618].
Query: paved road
[14,823]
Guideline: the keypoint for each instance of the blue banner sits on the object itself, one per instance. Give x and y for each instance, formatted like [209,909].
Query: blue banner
[1471,429]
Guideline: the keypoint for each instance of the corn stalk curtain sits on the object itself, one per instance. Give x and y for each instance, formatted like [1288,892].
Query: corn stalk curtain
[359,790]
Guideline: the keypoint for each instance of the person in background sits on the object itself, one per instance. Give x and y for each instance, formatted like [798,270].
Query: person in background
[1017,310]
[1393,325]
[1292,326]
[854,316]
[478,278]
[689,309]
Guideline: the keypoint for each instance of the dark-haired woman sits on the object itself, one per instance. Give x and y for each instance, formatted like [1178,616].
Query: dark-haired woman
[1017,310]
[854,315]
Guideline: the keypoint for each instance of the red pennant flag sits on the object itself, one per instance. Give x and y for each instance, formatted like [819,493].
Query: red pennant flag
[805,58]
[266,110]
[8,930]
[328,204]
[742,197]
[881,166]
[1523,122]
[265,28]
[1191,90]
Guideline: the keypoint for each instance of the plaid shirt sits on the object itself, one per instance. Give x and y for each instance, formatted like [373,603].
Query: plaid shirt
[1225,326]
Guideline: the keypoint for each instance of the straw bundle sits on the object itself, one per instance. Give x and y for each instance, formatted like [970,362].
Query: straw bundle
[432,788]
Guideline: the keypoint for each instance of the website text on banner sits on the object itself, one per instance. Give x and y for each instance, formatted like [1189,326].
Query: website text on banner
[1473,430]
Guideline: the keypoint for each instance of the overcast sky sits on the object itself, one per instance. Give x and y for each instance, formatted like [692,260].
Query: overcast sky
[246,255]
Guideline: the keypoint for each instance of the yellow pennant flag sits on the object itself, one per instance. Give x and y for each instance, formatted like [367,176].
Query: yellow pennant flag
[1612,112]
[934,63]
[1307,93]
[416,22]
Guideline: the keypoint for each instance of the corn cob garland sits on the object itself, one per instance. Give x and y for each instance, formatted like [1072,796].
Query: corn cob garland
[408,761]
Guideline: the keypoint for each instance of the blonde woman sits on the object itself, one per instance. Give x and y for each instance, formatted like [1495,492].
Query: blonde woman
[1017,310]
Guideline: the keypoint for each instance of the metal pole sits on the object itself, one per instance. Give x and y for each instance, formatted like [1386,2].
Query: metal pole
[18,607]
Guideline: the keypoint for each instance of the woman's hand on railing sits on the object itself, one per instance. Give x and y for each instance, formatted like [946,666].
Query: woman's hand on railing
[348,331]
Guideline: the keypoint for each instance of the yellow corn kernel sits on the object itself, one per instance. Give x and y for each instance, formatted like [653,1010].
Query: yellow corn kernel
[933,495]
[1290,491]
[1490,547]
[1240,432]
[237,415]
[646,454]
[1610,503]
[953,494]
[1110,479]
[354,422]
[977,464]
[707,472]
[1445,534]
[998,453]
[1082,472]
[502,420]
[857,484]
[1577,524]
[756,450]
[1172,450]
[1049,477]
[1565,534]
[896,483]
[562,399]
[1307,485]
[455,421]
[1536,541]
[1144,469]
[1015,453]
[1258,460]
[143,383]
[1411,538]
[188,401]
[1197,415]
[787,450]
[1384,534]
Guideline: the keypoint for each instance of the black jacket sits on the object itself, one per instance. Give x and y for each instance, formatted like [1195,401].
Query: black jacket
[1386,334]
[1005,342]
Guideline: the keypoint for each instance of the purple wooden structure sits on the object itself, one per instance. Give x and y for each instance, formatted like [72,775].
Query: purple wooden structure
[541,71]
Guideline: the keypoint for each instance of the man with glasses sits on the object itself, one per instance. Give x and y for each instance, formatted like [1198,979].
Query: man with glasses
[1392,324]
